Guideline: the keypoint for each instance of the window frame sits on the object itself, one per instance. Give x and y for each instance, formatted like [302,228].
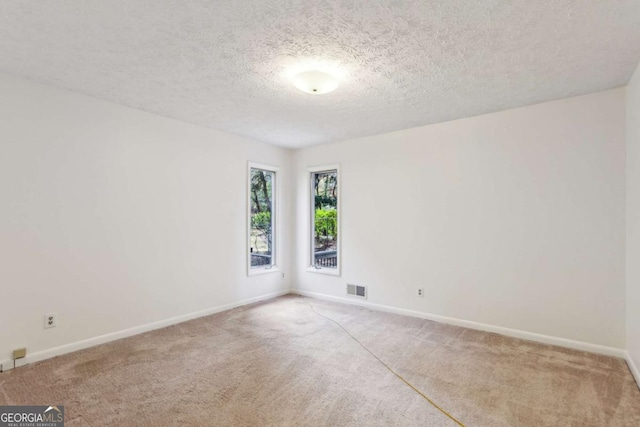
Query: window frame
[311,268]
[275,220]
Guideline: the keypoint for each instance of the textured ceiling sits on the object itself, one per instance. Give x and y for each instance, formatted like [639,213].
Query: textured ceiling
[226,64]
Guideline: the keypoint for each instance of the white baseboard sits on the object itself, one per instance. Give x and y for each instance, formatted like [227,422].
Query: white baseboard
[37,356]
[531,336]
[633,368]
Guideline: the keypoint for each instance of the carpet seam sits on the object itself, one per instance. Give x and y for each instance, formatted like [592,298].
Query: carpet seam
[400,377]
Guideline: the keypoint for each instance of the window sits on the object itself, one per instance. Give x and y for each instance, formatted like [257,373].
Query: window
[262,213]
[325,220]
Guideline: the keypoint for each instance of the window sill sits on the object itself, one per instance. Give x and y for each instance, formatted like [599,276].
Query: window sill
[327,271]
[259,271]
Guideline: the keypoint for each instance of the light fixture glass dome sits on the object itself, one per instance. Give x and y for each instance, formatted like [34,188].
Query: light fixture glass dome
[315,82]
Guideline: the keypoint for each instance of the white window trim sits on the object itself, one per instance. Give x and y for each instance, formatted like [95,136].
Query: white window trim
[275,189]
[311,268]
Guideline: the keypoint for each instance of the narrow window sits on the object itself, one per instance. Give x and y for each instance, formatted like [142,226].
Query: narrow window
[325,220]
[262,218]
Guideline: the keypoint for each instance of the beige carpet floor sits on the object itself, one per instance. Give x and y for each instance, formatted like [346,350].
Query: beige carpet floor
[279,363]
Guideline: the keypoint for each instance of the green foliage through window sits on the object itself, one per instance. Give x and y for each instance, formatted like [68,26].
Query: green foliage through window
[325,218]
[326,223]
[261,217]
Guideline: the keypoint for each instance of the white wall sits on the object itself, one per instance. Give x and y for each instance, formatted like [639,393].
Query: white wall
[633,220]
[114,218]
[514,219]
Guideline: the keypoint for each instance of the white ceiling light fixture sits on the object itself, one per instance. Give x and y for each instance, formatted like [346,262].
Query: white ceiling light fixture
[315,82]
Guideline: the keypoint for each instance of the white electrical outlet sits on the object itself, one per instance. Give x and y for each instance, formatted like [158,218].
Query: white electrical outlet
[50,320]
[420,292]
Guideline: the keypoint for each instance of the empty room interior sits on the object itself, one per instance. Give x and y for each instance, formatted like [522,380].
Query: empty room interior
[320,213]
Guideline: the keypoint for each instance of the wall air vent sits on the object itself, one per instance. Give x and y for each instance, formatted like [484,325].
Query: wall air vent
[357,291]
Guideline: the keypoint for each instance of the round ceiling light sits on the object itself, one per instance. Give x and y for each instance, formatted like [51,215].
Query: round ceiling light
[315,82]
